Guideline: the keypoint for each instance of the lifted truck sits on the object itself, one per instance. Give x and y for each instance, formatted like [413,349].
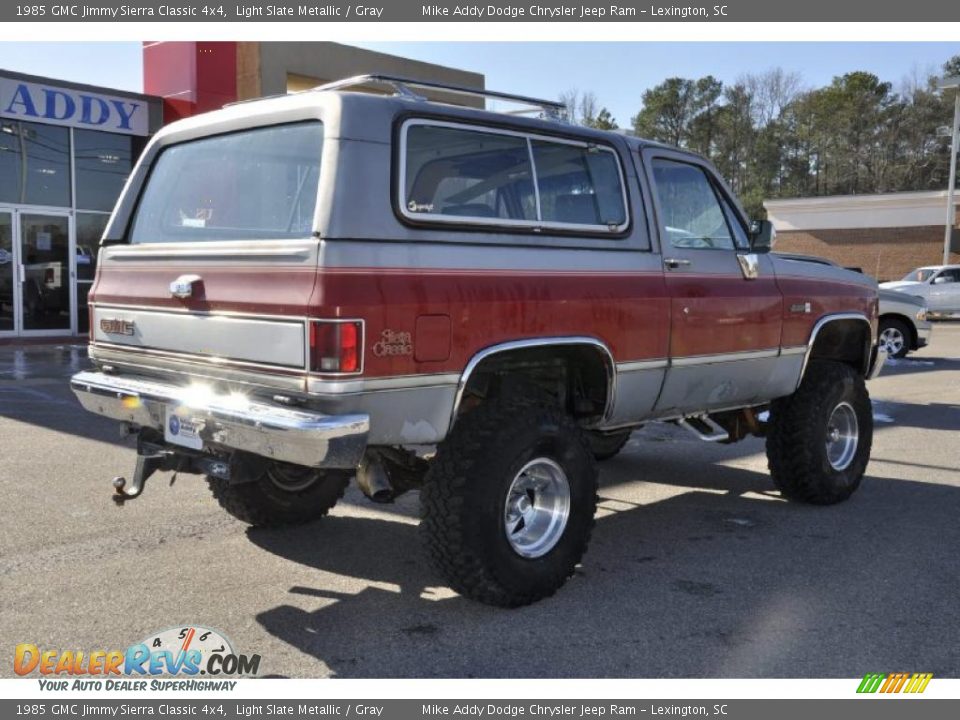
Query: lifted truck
[297,291]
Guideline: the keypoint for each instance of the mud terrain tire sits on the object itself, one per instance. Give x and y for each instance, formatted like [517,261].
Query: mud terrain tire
[808,450]
[472,488]
[605,447]
[280,494]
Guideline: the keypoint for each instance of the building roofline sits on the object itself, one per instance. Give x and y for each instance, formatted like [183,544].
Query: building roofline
[69,84]
[840,203]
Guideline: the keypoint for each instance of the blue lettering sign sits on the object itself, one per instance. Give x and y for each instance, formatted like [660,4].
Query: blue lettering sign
[66,107]
[21,97]
[90,106]
[125,115]
[52,104]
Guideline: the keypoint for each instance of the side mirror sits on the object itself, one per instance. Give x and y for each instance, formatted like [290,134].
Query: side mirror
[942,280]
[762,236]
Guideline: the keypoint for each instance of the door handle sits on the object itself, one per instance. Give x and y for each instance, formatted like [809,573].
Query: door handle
[674,263]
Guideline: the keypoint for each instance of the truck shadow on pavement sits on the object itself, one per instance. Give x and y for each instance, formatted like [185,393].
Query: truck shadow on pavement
[35,389]
[721,579]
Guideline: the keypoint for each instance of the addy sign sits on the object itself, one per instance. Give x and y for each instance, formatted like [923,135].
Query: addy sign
[76,108]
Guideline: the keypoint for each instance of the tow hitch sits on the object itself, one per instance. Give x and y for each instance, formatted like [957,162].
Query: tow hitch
[153,456]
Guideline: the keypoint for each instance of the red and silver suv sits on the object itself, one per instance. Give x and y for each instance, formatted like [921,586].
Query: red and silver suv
[298,291]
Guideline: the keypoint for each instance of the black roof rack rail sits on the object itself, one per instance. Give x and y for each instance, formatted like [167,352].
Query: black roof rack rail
[553,109]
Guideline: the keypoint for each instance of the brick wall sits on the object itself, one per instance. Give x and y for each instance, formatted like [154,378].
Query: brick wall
[885,253]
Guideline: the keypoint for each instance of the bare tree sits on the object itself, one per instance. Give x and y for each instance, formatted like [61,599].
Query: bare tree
[583,108]
[771,91]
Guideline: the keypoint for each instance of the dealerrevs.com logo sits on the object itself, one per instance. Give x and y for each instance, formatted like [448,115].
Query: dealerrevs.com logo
[185,652]
[887,683]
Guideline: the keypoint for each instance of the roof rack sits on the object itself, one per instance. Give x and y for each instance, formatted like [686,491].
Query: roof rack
[401,86]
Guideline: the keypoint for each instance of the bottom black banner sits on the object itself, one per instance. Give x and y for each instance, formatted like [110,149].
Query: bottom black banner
[872,707]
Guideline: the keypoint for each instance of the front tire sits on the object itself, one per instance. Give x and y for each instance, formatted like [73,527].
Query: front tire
[819,438]
[274,493]
[508,502]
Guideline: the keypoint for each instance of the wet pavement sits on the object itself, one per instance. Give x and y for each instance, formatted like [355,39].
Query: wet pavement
[697,567]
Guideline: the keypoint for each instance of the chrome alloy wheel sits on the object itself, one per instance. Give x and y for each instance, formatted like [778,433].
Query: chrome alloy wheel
[843,435]
[537,508]
[892,340]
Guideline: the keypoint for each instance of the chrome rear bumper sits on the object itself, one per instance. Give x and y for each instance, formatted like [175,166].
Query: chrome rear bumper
[292,435]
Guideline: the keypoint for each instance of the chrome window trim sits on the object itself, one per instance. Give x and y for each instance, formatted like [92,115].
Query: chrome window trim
[321,387]
[689,360]
[195,359]
[535,225]
[181,251]
[190,370]
[215,313]
[304,322]
[638,365]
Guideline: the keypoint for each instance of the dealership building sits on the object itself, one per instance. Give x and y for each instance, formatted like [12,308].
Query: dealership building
[66,150]
[885,235]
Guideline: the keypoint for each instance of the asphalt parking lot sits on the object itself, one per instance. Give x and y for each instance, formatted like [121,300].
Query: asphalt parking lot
[696,569]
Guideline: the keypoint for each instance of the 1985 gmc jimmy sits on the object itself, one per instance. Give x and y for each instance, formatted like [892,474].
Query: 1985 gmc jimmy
[297,291]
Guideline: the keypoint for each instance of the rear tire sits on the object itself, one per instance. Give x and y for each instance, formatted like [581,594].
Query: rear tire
[508,502]
[819,438]
[607,446]
[279,494]
[894,337]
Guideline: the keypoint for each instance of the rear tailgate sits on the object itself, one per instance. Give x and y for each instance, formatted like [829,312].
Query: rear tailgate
[212,262]
[247,303]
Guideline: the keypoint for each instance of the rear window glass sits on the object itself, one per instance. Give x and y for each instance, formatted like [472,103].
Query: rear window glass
[254,184]
[464,175]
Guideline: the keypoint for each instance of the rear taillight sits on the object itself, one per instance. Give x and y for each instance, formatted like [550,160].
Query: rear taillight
[336,346]
[90,321]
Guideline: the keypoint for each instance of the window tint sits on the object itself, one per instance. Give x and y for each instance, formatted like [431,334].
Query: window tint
[34,164]
[468,174]
[255,184]
[950,276]
[103,162]
[692,216]
[578,185]
[484,176]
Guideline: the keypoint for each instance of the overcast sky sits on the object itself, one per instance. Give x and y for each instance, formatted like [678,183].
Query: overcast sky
[617,73]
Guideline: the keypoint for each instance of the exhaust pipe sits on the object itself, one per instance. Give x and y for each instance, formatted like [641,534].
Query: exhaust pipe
[373,481]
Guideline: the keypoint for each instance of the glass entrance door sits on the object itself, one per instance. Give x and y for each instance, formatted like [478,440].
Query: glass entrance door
[46,288]
[8,276]
[37,272]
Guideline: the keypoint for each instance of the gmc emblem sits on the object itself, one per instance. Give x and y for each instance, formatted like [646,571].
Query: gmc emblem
[116,326]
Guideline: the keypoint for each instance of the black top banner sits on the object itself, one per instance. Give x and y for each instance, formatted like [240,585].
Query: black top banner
[495,11]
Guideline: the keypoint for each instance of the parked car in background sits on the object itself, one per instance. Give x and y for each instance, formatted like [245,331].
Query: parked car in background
[938,285]
[903,323]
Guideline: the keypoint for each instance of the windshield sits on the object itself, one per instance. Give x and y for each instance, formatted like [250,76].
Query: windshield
[254,184]
[919,275]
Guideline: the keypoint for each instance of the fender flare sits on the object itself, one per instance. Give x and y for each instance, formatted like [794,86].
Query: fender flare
[562,341]
[836,317]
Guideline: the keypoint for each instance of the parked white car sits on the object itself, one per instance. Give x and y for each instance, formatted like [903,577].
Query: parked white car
[903,323]
[937,285]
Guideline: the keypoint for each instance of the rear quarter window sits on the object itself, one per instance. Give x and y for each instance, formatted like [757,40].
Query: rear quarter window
[468,175]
